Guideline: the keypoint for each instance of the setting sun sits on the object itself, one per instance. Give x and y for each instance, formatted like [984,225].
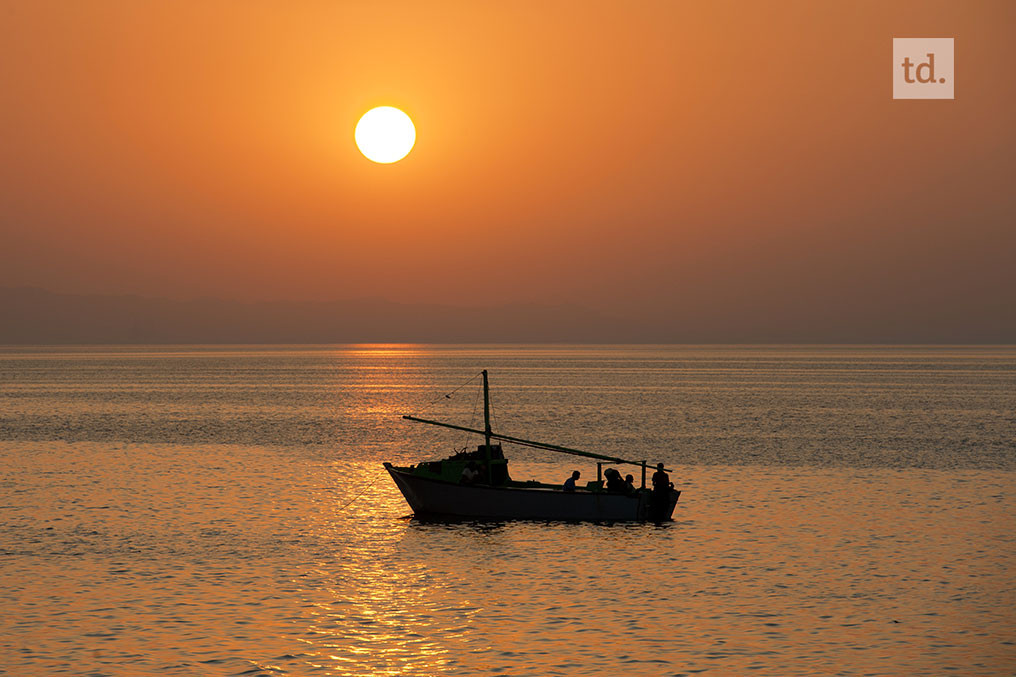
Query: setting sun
[385,134]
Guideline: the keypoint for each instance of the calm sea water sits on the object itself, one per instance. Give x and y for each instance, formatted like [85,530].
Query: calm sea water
[221,511]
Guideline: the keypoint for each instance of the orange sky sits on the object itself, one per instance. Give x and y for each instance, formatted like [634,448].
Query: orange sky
[698,159]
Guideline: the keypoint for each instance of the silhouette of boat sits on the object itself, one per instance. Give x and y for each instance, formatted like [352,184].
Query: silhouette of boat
[437,488]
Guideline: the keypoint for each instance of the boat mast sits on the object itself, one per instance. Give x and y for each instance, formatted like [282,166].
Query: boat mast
[486,428]
[486,409]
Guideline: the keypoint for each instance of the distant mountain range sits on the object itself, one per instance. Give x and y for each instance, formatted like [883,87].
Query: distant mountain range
[35,316]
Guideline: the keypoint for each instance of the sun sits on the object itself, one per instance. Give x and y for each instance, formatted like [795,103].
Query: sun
[385,134]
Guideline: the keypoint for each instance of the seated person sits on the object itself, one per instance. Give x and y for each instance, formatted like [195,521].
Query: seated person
[614,481]
[569,484]
[629,484]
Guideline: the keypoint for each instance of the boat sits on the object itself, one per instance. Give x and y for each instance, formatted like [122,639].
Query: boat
[477,484]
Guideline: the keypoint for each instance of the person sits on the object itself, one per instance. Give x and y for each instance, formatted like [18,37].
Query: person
[661,480]
[569,484]
[661,491]
[614,481]
[629,484]
[470,474]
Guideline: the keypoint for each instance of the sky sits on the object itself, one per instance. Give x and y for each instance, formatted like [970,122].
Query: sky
[740,165]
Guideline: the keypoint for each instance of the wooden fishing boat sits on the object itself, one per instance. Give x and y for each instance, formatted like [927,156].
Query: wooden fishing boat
[445,488]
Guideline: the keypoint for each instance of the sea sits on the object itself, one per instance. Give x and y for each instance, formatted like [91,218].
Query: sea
[223,510]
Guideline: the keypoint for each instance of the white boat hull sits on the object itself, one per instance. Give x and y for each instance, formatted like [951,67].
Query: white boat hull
[439,498]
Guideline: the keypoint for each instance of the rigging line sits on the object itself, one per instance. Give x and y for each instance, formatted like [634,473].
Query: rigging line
[493,414]
[472,415]
[449,394]
[362,491]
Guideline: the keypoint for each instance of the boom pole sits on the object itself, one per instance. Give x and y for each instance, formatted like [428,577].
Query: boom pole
[489,435]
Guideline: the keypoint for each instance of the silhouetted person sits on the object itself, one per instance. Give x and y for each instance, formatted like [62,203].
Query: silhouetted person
[614,481]
[569,484]
[629,484]
[661,480]
[661,492]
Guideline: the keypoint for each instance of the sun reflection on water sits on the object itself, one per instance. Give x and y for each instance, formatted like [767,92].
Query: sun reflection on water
[383,350]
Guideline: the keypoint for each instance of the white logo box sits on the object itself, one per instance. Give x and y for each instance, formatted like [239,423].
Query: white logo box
[923,68]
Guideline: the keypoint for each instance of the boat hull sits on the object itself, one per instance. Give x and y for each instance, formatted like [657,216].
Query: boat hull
[438,498]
